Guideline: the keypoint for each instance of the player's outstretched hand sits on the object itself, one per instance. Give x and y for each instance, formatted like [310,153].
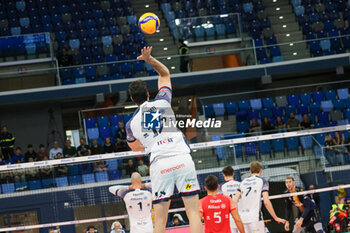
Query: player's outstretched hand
[280,220]
[286,226]
[145,53]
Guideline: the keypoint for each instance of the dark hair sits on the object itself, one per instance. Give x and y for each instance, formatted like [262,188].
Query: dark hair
[228,171]
[138,91]
[41,145]
[18,148]
[29,146]
[89,227]
[181,41]
[255,167]
[211,182]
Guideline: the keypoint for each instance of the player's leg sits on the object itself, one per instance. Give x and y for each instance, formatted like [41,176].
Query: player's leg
[160,216]
[192,210]
[257,227]
[234,230]
[318,227]
[188,186]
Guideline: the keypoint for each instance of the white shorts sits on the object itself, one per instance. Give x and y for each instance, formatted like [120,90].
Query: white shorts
[254,227]
[174,170]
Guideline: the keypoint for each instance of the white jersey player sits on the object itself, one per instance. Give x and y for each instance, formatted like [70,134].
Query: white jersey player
[249,195]
[153,129]
[138,202]
[229,188]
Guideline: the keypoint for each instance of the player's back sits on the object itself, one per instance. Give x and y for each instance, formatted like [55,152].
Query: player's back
[216,210]
[229,189]
[154,125]
[138,203]
[250,203]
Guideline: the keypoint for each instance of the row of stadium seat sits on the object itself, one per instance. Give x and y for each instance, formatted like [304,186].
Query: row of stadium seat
[61,181]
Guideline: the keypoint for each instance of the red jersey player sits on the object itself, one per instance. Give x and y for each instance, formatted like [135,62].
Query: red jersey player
[216,209]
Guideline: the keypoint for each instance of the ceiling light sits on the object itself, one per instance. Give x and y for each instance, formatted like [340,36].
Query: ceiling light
[284,26]
[287,35]
[131,106]
[157,31]
[281,17]
[190,99]
[161,39]
[277,9]
[147,6]
[169,58]
[165,48]
[291,44]
[274,0]
[295,53]
[173,67]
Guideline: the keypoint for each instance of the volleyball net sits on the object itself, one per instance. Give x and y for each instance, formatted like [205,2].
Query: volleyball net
[72,193]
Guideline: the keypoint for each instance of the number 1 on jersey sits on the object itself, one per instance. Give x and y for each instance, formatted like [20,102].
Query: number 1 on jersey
[140,205]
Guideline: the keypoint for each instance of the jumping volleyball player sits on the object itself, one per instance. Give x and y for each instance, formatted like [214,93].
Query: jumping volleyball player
[249,194]
[308,214]
[171,162]
[138,202]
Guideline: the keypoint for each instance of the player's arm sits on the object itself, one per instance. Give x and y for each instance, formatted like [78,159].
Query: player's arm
[237,197]
[308,206]
[133,143]
[119,190]
[136,145]
[288,213]
[162,70]
[269,208]
[238,220]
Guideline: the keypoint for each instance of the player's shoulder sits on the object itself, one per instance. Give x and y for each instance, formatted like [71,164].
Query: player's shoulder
[128,123]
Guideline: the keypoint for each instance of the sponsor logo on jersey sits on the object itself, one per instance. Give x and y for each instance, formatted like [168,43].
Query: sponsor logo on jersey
[168,139]
[188,186]
[152,120]
[223,206]
[167,170]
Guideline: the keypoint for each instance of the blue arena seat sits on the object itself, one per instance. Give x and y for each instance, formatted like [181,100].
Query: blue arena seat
[343,93]
[105,132]
[73,170]
[268,102]
[102,121]
[62,181]
[93,133]
[219,109]
[231,107]
[278,145]
[265,113]
[242,127]
[250,148]
[327,105]
[265,147]
[305,98]
[48,182]
[127,117]
[88,178]
[101,176]
[243,105]
[292,143]
[115,119]
[8,188]
[21,185]
[74,180]
[34,184]
[306,142]
[330,95]
[256,104]
[208,111]
[114,175]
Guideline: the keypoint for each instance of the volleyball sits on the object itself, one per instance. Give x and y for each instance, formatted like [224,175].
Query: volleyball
[149,23]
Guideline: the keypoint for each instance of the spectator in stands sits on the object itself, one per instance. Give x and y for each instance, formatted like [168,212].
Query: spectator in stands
[341,152]
[279,124]
[292,123]
[100,166]
[42,153]
[184,59]
[120,138]
[32,173]
[91,229]
[2,162]
[69,150]
[108,147]
[306,123]
[266,125]
[18,157]
[76,57]
[61,170]
[315,196]
[142,168]
[177,220]
[56,149]
[96,149]
[329,150]
[46,171]
[7,143]
[30,153]
[130,167]
[65,59]
[255,126]
[117,227]
[83,149]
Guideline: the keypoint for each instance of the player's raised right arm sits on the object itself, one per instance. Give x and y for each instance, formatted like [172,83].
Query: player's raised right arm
[162,70]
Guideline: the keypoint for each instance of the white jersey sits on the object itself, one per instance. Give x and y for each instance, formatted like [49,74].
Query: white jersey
[138,203]
[250,203]
[229,188]
[154,125]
